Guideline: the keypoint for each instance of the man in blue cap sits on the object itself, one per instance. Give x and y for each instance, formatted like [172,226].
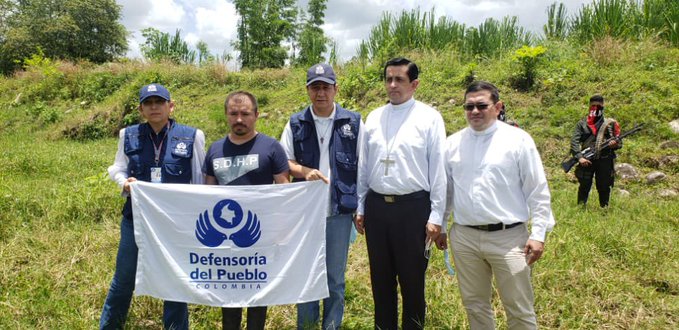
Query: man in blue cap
[160,151]
[322,143]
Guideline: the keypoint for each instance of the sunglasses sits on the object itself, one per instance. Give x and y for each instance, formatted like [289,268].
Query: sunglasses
[480,106]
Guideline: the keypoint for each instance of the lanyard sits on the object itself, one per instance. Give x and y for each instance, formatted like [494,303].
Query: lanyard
[159,147]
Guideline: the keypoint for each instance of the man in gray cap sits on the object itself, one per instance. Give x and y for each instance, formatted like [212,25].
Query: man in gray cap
[160,151]
[322,143]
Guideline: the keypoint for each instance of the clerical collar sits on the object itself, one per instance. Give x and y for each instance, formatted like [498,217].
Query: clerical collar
[404,106]
[487,131]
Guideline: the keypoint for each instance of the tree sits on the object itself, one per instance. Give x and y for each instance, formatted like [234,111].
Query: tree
[312,40]
[6,8]
[71,30]
[161,46]
[298,24]
[263,25]
[204,55]
[312,45]
[333,53]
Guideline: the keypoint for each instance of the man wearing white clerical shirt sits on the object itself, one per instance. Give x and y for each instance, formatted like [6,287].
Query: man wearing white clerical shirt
[401,191]
[495,185]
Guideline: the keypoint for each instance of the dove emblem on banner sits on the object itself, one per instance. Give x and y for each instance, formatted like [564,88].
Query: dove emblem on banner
[227,224]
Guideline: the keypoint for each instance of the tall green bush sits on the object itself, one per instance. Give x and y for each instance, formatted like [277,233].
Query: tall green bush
[528,59]
[161,46]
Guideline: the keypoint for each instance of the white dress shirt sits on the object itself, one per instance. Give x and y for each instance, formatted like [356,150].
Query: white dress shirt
[412,134]
[118,171]
[497,176]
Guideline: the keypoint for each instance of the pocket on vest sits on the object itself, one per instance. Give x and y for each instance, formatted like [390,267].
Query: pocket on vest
[135,169]
[346,161]
[346,197]
[174,169]
[305,159]
[132,144]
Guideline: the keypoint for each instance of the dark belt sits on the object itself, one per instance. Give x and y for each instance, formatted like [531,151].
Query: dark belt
[495,226]
[422,194]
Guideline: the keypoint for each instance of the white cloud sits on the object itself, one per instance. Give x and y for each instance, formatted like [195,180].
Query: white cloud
[191,38]
[165,14]
[134,48]
[134,13]
[217,25]
[347,21]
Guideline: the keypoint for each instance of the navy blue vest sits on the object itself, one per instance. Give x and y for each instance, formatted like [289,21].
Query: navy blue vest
[343,154]
[175,162]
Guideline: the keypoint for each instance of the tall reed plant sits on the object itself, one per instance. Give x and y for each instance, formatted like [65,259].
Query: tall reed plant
[627,19]
[557,22]
[414,30]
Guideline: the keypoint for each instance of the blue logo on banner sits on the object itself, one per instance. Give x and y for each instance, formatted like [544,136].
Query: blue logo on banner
[211,236]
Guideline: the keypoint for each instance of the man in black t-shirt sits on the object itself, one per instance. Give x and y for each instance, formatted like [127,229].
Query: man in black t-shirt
[244,157]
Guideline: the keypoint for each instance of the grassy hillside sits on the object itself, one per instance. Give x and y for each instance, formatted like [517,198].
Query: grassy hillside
[59,214]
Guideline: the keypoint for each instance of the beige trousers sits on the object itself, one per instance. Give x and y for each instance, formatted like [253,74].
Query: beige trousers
[478,256]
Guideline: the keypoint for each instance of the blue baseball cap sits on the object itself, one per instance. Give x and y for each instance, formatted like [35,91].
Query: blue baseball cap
[153,90]
[320,72]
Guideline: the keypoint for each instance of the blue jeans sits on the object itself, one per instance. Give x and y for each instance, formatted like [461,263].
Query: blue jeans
[337,234]
[114,314]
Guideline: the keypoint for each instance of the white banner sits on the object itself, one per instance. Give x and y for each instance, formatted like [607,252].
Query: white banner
[231,246]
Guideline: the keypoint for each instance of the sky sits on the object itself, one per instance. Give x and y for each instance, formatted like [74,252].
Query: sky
[346,21]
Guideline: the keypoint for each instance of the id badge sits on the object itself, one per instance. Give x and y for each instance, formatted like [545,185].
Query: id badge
[156,175]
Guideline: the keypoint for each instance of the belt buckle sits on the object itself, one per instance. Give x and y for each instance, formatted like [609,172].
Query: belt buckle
[389,199]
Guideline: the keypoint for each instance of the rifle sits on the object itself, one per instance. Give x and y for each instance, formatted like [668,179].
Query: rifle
[589,152]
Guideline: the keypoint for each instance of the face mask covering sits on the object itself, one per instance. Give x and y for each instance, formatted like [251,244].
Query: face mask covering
[595,114]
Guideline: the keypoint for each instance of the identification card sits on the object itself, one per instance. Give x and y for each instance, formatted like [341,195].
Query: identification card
[156,175]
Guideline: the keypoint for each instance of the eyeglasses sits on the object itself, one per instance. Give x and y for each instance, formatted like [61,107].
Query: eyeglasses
[480,106]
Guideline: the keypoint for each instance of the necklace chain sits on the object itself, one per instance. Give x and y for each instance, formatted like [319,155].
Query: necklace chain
[327,128]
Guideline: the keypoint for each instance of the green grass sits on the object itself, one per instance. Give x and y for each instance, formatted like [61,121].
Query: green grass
[603,269]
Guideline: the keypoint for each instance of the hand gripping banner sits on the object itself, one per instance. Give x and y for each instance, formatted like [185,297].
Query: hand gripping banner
[231,246]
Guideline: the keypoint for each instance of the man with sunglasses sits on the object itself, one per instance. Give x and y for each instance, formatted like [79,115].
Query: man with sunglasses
[593,130]
[496,184]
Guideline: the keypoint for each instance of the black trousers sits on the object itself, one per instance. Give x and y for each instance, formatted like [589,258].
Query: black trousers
[603,171]
[395,234]
[231,318]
